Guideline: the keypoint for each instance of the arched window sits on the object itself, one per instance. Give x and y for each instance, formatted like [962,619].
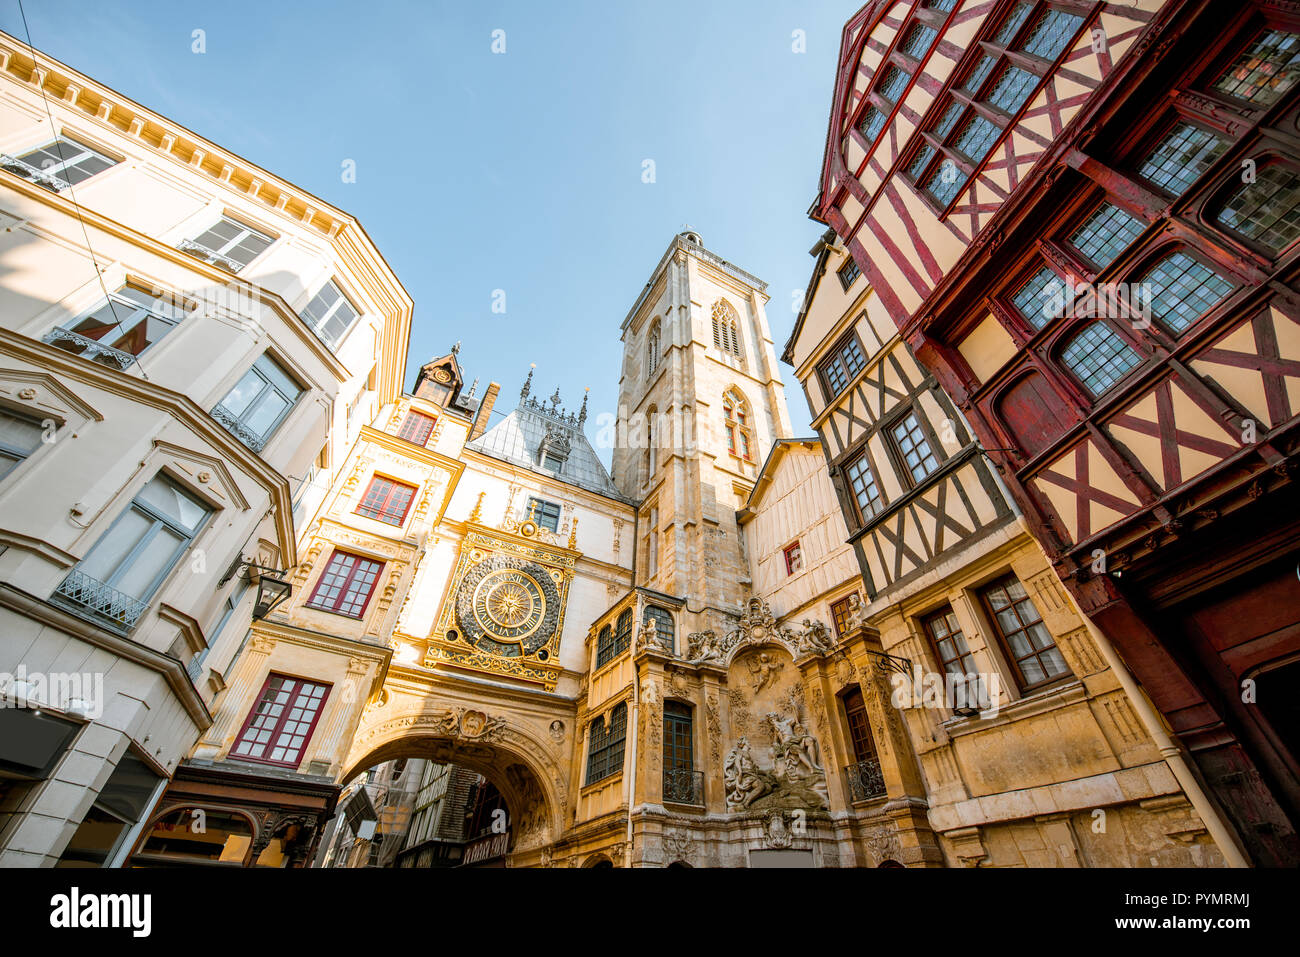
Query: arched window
[612,642]
[605,744]
[604,646]
[1098,357]
[652,349]
[740,435]
[651,443]
[726,328]
[1266,211]
[663,620]
[1181,289]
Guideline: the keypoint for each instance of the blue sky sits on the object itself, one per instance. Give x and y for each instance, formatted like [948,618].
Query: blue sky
[521,172]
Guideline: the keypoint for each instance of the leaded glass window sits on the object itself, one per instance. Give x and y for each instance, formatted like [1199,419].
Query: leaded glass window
[1179,159]
[1181,289]
[1263,71]
[1105,234]
[1099,357]
[1267,210]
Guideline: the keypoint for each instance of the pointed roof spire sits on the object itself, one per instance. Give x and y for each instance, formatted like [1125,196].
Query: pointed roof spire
[528,383]
[582,414]
[455,350]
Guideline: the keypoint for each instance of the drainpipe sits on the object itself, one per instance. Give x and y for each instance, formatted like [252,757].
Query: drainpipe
[1169,749]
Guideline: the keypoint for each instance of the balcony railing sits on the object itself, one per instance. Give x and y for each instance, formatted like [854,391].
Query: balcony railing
[200,251]
[866,782]
[684,786]
[88,348]
[84,593]
[36,175]
[232,424]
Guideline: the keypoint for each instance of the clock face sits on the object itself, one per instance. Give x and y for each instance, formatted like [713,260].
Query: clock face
[507,607]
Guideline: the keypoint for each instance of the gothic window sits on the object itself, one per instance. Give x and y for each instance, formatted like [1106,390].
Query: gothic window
[1024,637]
[228,244]
[61,164]
[280,724]
[1267,211]
[740,435]
[604,646]
[663,620]
[726,328]
[1013,64]
[1181,289]
[1098,357]
[545,514]
[605,746]
[346,585]
[652,349]
[612,642]
[387,500]
[416,427]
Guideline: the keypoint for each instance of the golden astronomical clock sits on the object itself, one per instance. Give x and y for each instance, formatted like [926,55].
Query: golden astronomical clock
[508,607]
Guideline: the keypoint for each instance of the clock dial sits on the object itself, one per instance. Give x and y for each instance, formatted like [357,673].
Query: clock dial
[507,607]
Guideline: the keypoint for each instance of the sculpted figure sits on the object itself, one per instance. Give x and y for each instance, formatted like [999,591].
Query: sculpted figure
[703,646]
[745,784]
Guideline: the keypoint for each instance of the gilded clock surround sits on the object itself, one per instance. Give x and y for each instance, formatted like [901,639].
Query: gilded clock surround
[505,611]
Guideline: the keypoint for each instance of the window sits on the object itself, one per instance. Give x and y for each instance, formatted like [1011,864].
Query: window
[793,559]
[1098,357]
[872,122]
[281,723]
[60,164]
[652,543]
[1105,234]
[652,349]
[125,325]
[330,314]
[664,628]
[681,784]
[128,563]
[914,447]
[258,403]
[387,500]
[735,412]
[843,365]
[1266,211]
[545,514]
[1179,159]
[840,615]
[121,803]
[1182,289]
[613,642]
[605,748]
[1014,63]
[1020,628]
[726,328]
[848,273]
[20,436]
[228,244]
[1041,298]
[552,462]
[918,40]
[949,643]
[346,585]
[416,427]
[855,711]
[863,485]
[1263,71]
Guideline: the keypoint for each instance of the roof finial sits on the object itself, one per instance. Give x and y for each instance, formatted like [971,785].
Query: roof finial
[555,399]
[582,414]
[528,383]
[473,389]
[455,350]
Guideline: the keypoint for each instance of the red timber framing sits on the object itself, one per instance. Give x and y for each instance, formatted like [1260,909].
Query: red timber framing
[1154,456]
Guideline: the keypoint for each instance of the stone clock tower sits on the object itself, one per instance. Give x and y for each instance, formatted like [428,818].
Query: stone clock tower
[700,403]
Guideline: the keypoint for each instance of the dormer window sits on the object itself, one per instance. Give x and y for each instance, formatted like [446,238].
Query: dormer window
[554,450]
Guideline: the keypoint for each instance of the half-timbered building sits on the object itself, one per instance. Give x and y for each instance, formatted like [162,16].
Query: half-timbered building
[1083,218]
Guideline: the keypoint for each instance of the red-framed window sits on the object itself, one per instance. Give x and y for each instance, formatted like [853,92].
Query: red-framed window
[387,500]
[793,558]
[346,585]
[281,723]
[416,427]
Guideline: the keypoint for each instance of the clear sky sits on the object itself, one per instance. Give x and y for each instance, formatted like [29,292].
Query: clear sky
[520,171]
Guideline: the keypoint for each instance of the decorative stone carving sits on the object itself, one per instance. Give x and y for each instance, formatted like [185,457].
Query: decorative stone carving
[763,668]
[678,846]
[882,842]
[778,834]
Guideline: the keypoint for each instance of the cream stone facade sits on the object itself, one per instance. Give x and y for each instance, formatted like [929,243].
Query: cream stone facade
[162,400]
[1050,762]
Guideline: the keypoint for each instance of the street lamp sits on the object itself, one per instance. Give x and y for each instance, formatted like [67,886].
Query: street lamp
[272,586]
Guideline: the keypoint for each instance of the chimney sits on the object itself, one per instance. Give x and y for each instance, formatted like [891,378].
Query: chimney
[484,411]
